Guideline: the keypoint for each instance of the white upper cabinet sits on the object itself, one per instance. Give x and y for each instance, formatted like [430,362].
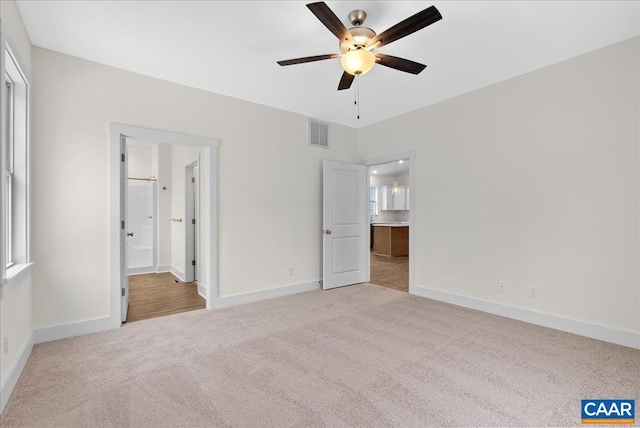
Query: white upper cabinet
[390,202]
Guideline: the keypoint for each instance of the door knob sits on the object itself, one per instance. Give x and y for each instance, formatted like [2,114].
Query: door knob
[130,234]
[328,232]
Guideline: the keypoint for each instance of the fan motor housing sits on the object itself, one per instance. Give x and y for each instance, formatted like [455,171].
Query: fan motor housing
[361,35]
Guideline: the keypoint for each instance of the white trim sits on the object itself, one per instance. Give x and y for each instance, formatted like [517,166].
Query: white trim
[16,272]
[202,290]
[15,371]
[582,328]
[255,296]
[141,270]
[64,331]
[116,133]
[178,273]
[412,210]
[163,268]
[3,145]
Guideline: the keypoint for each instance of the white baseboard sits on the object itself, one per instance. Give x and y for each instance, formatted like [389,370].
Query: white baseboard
[48,334]
[202,290]
[178,273]
[141,270]
[255,296]
[163,268]
[582,328]
[14,372]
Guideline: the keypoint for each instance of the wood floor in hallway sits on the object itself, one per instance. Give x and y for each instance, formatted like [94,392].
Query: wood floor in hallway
[390,272]
[159,294]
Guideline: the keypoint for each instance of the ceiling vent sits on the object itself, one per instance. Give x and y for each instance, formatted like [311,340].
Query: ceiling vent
[318,134]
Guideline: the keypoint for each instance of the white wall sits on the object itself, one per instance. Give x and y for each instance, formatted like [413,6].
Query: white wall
[535,181]
[161,168]
[385,180]
[15,300]
[140,162]
[266,171]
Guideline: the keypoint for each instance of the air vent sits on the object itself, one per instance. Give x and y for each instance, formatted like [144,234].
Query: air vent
[318,134]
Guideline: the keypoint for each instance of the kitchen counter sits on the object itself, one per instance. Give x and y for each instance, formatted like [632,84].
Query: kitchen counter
[390,224]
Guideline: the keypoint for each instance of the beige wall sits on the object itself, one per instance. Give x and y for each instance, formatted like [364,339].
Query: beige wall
[535,181]
[15,303]
[269,181]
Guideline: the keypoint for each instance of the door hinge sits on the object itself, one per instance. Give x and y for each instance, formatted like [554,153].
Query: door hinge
[193,179]
[193,221]
[193,262]
[121,157]
[123,292]
[122,224]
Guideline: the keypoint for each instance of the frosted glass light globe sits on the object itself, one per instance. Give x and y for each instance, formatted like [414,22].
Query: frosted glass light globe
[358,61]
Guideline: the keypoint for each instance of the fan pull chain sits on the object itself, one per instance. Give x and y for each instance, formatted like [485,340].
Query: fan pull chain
[358,95]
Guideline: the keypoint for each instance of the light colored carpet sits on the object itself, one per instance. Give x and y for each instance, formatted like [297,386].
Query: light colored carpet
[356,356]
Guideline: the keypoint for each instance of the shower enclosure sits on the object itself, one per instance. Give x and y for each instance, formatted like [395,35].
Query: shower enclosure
[141,254]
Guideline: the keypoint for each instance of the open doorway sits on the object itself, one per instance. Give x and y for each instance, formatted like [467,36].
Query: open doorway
[389,208]
[162,238]
[163,233]
[391,221]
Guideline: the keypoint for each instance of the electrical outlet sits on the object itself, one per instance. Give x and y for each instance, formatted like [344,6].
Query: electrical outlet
[289,271]
[5,344]
[533,292]
[502,286]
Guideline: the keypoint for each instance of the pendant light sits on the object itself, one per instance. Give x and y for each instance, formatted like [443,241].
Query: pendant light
[395,190]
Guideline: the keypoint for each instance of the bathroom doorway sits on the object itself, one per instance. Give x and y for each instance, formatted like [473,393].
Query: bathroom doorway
[162,239]
[161,170]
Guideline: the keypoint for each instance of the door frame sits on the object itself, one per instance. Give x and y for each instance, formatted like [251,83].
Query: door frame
[412,209]
[116,133]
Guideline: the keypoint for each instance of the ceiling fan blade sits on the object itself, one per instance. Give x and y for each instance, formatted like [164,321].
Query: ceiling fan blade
[400,63]
[406,27]
[331,21]
[345,81]
[307,59]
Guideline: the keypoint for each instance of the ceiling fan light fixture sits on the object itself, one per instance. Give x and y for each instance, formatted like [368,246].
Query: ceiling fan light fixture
[358,61]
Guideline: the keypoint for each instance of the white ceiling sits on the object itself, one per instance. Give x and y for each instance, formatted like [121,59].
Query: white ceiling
[231,48]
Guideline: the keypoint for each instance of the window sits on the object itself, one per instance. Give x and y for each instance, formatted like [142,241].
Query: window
[15,150]
[373,201]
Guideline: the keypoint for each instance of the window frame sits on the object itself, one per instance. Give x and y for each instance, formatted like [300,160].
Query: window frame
[15,221]
[8,171]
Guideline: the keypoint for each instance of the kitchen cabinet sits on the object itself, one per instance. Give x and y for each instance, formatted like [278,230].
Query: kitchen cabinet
[391,240]
[390,202]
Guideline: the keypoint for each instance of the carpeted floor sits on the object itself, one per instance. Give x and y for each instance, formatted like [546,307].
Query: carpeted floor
[356,356]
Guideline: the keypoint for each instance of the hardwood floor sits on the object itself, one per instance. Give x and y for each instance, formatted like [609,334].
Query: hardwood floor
[390,272]
[159,294]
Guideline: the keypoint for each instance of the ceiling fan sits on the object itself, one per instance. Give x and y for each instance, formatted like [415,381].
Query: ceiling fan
[357,44]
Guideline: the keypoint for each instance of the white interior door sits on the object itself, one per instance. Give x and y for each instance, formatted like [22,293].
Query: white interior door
[345,225]
[124,229]
[191,222]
